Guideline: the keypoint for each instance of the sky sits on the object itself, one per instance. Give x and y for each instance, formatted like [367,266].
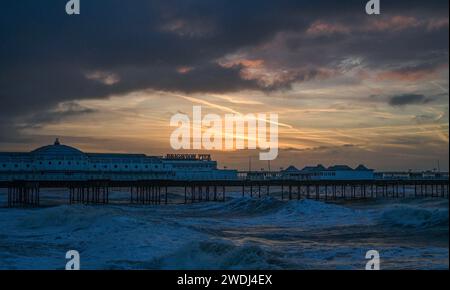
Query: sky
[349,88]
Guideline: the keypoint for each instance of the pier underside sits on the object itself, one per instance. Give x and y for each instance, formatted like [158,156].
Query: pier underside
[27,194]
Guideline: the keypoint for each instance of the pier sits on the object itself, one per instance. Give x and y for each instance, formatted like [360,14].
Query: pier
[160,192]
[91,178]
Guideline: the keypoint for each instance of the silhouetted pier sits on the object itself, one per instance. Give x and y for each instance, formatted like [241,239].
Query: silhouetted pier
[156,192]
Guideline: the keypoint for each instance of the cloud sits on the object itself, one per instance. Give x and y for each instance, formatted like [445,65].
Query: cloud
[395,23]
[103,77]
[62,112]
[412,73]
[427,118]
[409,99]
[321,28]
[165,35]
[114,48]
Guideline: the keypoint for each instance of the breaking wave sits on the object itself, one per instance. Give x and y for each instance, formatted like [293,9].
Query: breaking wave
[414,217]
[221,255]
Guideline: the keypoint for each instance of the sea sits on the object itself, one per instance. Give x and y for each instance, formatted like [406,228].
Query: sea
[240,233]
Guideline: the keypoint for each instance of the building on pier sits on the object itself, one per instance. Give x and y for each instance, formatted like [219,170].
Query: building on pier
[411,175]
[319,172]
[335,172]
[62,162]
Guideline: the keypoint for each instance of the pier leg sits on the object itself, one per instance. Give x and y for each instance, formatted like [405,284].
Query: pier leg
[89,191]
[165,194]
[158,192]
[9,197]
[23,195]
[154,195]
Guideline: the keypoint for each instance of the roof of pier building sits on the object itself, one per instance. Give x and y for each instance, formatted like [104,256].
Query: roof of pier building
[291,169]
[57,150]
[317,168]
[339,168]
[321,168]
[60,151]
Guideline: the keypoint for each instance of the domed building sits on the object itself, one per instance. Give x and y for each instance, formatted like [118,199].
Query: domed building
[58,157]
[62,162]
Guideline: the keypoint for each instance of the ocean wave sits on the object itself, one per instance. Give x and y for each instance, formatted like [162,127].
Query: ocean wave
[241,233]
[219,254]
[242,206]
[271,212]
[415,217]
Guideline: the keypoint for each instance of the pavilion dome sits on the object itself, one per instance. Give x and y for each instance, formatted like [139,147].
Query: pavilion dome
[57,150]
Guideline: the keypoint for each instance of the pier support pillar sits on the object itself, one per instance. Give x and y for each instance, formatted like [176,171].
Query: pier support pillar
[24,194]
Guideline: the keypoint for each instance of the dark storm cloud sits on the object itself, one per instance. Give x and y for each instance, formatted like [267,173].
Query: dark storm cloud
[409,99]
[67,110]
[114,47]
